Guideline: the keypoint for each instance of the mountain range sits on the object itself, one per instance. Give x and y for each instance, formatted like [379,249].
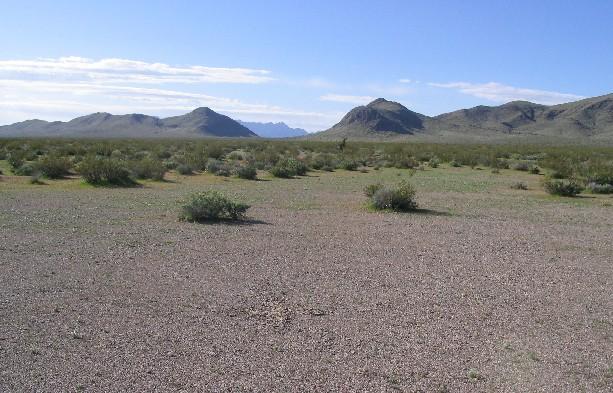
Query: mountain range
[273,130]
[589,120]
[201,122]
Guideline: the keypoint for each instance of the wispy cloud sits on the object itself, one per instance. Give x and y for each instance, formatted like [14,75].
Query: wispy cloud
[134,71]
[404,80]
[498,92]
[23,99]
[358,100]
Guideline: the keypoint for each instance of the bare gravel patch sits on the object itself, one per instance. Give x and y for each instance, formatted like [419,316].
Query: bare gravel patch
[104,290]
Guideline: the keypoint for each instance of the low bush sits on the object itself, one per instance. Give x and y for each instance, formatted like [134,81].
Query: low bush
[54,167]
[399,198]
[568,188]
[218,168]
[434,162]
[519,186]
[211,205]
[349,165]
[535,170]
[288,168]
[371,189]
[247,172]
[455,164]
[184,169]
[521,166]
[26,169]
[104,171]
[148,168]
[596,188]
[36,178]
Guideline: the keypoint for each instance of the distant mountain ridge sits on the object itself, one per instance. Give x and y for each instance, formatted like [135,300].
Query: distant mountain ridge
[201,122]
[273,130]
[591,118]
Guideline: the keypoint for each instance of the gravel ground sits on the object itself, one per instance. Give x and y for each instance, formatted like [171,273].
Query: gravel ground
[490,290]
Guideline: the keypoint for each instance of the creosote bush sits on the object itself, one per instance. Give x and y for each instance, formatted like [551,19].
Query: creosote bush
[54,167]
[596,188]
[104,171]
[148,168]
[519,186]
[289,167]
[567,188]
[247,172]
[399,198]
[185,169]
[211,205]
[371,189]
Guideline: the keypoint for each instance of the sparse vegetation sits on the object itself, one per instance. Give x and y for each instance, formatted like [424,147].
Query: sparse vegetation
[519,186]
[104,171]
[566,188]
[398,198]
[211,205]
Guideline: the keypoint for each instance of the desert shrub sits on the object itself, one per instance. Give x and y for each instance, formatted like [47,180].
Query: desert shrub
[15,159]
[568,188]
[371,189]
[247,172]
[25,169]
[496,171]
[171,164]
[535,170]
[103,171]
[54,167]
[400,198]
[596,188]
[406,163]
[148,168]
[184,169]
[519,186]
[521,166]
[36,178]
[211,205]
[289,167]
[218,168]
[349,165]
[434,162]
[235,156]
[455,164]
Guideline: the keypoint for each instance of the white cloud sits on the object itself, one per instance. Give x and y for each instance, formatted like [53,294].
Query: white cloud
[502,93]
[27,99]
[358,100]
[404,80]
[123,70]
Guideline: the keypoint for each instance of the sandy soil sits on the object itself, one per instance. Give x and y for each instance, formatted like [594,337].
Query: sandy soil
[490,289]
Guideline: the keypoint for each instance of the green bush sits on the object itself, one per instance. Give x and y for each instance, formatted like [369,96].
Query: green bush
[535,170]
[247,172]
[349,165]
[104,171]
[434,162]
[184,169]
[521,166]
[519,186]
[218,168]
[148,168]
[54,167]
[211,205]
[36,178]
[568,188]
[25,169]
[596,188]
[288,168]
[400,198]
[371,189]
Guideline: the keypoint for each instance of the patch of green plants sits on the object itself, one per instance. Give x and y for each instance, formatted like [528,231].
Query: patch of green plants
[566,188]
[247,172]
[148,168]
[288,168]
[211,206]
[104,171]
[519,186]
[398,198]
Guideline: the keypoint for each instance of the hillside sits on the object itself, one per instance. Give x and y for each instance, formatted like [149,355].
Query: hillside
[587,120]
[202,122]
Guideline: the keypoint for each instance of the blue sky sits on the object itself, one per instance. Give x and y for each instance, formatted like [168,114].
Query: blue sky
[304,63]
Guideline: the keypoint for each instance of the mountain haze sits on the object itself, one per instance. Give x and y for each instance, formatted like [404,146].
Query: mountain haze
[273,130]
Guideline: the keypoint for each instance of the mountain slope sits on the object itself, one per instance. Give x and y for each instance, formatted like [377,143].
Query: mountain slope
[588,119]
[273,130]
[379,118]
[202,122]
